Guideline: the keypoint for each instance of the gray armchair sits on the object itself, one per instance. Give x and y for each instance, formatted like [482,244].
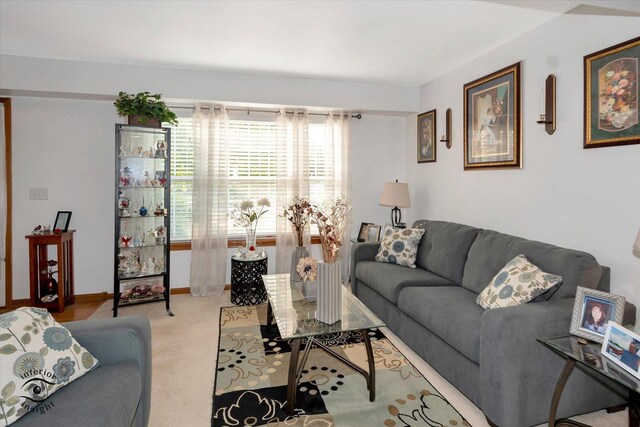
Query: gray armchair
[115,394]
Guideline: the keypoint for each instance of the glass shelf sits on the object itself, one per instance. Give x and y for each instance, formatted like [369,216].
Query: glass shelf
[142,276]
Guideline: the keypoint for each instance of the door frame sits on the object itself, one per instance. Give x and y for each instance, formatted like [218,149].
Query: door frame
[9,269]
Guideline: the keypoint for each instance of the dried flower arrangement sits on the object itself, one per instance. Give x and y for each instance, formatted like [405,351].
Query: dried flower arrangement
[298,212]
[332,218]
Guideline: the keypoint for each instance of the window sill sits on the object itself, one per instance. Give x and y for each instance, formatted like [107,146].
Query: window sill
[234,243]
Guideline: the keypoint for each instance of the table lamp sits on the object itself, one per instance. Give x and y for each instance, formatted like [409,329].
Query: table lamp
[636,246]
[396,195]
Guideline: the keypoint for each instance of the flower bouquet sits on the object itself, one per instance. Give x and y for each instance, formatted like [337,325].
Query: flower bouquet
[247,215]
[297,213]
[332,217]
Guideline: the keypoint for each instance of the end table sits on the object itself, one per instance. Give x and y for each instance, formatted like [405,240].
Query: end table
[247,287]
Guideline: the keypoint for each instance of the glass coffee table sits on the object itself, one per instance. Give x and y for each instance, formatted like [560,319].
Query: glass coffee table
[296,320]
[589,356]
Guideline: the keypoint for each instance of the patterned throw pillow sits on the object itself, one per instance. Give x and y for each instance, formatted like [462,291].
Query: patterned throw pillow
[517,283]
[400,246]
[37,357]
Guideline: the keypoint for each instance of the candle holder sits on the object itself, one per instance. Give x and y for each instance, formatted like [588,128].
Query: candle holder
[548,118]
[446,137]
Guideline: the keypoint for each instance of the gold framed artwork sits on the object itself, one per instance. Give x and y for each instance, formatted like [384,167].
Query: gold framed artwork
[492,122]
[427,137]
[611,96]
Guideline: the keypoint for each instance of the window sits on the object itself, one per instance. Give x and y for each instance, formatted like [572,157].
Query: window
[252,171]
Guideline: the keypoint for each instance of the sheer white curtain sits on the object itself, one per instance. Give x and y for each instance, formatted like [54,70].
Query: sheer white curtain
[292,136]
[337,142]
[210,201]
[3,210]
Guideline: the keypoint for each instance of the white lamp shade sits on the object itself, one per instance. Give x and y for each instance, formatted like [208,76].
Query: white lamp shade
[395,194]
[636,245]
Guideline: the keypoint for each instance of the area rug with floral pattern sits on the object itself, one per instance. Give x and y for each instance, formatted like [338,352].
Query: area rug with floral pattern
[251,381]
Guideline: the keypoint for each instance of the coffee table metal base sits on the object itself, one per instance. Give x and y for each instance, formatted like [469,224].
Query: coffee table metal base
[295,367]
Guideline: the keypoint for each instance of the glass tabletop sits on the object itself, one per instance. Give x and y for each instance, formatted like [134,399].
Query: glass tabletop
[589,355]
[296,316]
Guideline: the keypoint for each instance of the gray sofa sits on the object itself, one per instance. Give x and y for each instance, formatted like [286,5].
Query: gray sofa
[491,356]
[115,394]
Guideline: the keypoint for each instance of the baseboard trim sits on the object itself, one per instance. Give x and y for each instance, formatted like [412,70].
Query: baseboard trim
[101,296]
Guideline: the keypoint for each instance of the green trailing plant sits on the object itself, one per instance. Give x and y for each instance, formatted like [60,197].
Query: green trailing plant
[144,104]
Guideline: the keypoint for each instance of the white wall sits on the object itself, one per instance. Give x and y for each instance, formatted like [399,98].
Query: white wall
[583,199]
[20,74]
[67,146]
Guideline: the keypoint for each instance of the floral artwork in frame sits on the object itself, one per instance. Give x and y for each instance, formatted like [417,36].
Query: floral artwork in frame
[611,96]
[492,123]
[427,137]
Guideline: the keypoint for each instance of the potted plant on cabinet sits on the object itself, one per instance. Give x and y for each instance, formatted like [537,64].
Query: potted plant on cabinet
[144,109]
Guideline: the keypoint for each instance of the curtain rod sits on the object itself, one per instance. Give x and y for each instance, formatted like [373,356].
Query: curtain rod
[249,110]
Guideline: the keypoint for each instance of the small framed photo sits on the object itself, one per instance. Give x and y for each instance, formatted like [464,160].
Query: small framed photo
[373,233]
[593,310]
[363,233]
[62,221]
[427,137]
[622,347]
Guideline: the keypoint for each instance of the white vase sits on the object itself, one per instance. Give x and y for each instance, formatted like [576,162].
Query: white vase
[329,299]
[298,254]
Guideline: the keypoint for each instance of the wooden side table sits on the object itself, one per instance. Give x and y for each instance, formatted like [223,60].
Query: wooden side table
[247,287]
[38,269]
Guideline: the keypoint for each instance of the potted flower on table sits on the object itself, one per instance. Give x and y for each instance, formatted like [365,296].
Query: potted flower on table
[298,212]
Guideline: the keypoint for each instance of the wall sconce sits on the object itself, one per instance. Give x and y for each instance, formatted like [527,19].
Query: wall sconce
[548,105]
[446,136]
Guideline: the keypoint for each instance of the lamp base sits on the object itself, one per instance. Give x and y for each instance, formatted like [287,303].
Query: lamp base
[396,217]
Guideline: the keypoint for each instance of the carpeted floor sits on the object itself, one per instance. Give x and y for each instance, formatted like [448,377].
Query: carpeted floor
[251,380]
[184,362]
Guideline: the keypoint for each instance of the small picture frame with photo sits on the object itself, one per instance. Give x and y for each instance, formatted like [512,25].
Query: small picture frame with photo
[373,233]
[593,310]
[363,233]
[622,347]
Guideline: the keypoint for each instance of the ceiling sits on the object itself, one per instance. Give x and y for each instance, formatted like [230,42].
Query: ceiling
[392,42]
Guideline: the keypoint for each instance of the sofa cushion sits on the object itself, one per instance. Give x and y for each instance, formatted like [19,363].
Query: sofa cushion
[449,312]
[108,396]
[389,279]
[444,247]
[517,283]
[399,246]
[38,356]
[492,250]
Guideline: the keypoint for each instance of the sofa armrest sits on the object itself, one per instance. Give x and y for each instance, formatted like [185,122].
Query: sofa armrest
[114,341]
[517,373]
[361,252]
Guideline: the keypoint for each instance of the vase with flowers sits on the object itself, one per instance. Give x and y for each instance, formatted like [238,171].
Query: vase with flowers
[246,214]
[332,218]
[297,212]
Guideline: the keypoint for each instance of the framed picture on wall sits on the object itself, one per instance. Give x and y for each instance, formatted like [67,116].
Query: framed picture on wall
[611,96]
[492,123]
[427,137]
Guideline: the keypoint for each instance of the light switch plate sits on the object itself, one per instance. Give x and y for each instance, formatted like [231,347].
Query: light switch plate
[38,194]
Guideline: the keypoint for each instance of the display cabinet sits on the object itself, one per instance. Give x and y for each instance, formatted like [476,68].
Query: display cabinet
[143,184]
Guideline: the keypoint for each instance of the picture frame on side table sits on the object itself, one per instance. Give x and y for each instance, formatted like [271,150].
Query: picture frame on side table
[62,221]
[593,310]
[622,347]
[373,233]
[492,120]
[363,233]
[427,137]
[611,94]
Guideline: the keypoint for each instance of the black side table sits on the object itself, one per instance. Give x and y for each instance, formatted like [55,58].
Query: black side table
[247,287]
